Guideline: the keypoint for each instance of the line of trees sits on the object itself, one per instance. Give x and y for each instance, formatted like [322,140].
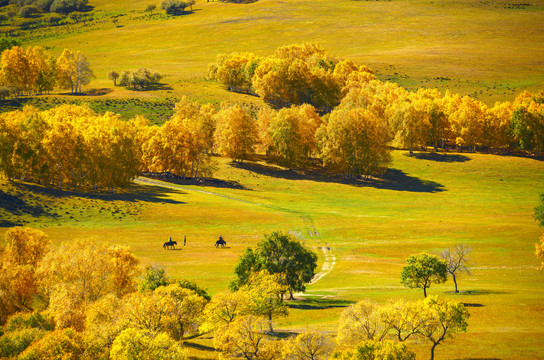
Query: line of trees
[56,147]
[35,71]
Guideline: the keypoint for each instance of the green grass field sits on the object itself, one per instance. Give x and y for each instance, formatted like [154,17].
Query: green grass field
[427,202]
[489,49]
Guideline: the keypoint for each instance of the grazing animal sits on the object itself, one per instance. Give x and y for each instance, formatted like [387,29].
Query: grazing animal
[169,245]
[220,242]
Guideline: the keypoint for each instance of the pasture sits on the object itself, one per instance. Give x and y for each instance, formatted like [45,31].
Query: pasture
[426,202]
[362,231]
[490,50]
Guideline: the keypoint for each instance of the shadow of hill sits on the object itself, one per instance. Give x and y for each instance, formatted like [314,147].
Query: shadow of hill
[393,179]
[432,156]
[178,180]
[318,304]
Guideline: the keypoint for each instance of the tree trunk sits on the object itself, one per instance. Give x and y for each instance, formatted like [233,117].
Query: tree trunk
[291,297]
[455,282]
[425,290]
[432,351]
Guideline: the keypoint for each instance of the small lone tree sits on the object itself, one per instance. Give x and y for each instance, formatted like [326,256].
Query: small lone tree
[422,270]
[113,75]
[456,261]
[150,9]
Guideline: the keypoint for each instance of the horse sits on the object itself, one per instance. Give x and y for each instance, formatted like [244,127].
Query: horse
[221,243]
[169,244]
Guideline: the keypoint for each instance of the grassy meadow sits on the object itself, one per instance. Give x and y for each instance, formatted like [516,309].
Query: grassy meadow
[491,50]
[362,231]
[426,202]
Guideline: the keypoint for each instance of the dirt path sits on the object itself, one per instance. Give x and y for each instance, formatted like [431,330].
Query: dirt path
[330,259]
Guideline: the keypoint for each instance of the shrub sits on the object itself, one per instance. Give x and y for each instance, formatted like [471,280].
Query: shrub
[28,11]
[174,7]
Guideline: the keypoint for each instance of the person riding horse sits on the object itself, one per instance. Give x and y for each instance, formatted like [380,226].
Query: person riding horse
[220,242]
[169,244]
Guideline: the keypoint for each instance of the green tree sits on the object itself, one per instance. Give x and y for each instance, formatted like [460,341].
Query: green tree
[422,270]
[278,253]
[154,276]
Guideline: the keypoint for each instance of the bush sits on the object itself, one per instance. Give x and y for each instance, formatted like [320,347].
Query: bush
[141,79]
[175,7]
[28,11]
[68,6]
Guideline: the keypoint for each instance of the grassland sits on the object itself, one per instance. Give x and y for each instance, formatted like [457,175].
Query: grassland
[426,202]
[489,49]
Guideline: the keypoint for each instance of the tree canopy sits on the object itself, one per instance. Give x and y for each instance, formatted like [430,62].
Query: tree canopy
[281,254]
[422,270]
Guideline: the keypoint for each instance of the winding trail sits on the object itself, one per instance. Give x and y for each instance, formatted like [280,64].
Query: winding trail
[330,259]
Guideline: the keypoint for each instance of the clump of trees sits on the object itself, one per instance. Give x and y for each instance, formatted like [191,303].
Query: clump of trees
[176,7]
[304,74]
[371,328]
[58,6]
[141,79]
[34,70]
[69,146]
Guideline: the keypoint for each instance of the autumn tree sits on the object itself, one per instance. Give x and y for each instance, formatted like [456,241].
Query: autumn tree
[224,308]
[442,319]
[80,273]
[354,143]
[235,134]
[360,322]
[527,123]
[289,134]
[539,251]
[59,344]
[113,76]
[154,277]
[264,292]
[422,270]
[376,350]
[246,337]
[235,70]
[308,345]
[73,70]
[410,123]
[134,343]
[171,309]
[467,116]
[456,260]
[19,281]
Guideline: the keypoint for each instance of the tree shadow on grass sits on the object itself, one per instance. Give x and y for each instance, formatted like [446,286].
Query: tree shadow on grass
[314,303]
[178,180]
[481,292]
[393,179]
[196,346]
[433,156]
[23,199]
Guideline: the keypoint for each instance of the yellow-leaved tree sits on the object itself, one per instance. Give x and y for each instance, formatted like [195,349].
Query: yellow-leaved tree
[19,281]
[73,70]
[236,133]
